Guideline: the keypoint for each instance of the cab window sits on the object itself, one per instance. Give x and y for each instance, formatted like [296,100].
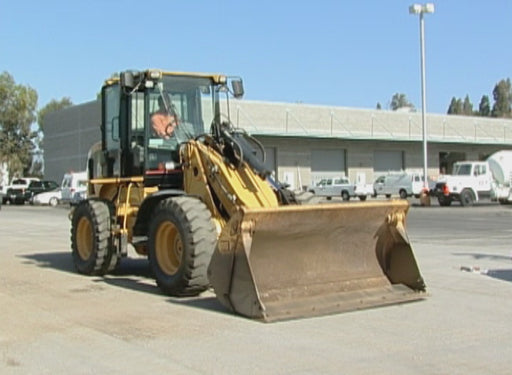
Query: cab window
[111,98]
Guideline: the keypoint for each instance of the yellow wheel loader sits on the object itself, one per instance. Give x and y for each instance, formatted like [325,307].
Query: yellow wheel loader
[195,197]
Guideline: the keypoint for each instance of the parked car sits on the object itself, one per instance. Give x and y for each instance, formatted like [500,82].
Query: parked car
[36,187]
[51,198]
[336,187]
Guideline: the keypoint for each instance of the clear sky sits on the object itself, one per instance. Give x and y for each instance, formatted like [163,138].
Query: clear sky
[329,52]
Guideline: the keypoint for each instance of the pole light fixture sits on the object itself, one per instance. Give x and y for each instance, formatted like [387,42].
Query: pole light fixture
[422,9]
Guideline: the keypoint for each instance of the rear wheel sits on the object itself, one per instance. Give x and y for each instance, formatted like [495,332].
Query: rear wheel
[182,238]
[345,196]
[53,202]
[466,198]
[403,194]
[91,240]
[362,197]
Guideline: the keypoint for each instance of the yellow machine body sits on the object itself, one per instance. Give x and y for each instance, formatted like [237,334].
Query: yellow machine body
[206,213]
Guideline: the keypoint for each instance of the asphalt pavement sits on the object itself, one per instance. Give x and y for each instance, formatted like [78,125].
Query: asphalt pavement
[55,321]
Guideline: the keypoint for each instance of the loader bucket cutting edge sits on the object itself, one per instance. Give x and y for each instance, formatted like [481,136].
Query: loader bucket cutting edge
[300,261]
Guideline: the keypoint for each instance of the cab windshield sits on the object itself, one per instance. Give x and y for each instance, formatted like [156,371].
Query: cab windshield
[462,170]
[187,102]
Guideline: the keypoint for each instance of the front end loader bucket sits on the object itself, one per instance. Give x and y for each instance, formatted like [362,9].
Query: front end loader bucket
[301,261]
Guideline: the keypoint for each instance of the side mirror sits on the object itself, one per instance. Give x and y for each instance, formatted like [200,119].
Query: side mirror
[127,80]
[238,88]
[130,79]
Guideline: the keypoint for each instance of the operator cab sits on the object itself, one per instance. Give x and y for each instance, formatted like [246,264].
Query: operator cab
[136,102]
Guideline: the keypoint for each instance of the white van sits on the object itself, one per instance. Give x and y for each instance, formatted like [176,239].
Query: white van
[401,184]
[73,187]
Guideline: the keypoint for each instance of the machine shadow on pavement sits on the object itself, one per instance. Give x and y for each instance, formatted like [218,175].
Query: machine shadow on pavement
[203,303]
[131,274]
[56,260]
[505,275]
[501,274]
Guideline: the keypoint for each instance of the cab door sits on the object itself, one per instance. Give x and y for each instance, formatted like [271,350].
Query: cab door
[482,177]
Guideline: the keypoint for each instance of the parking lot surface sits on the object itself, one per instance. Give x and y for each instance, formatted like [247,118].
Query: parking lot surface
[54,321]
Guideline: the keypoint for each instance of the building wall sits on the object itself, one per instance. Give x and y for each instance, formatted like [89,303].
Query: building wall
[69,134]
[294,155]
[295,133]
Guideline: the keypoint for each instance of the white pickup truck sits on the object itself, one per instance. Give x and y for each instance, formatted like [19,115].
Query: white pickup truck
[470,182]
[473,181]
[17,186]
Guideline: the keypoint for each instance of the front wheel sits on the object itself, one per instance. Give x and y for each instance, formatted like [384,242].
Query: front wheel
[403,194]
[466,198]
[182,238]
[345,196]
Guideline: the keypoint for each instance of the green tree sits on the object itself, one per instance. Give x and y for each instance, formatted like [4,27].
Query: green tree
[17,114]
[484,108]
[378,106]
[400,101]
[456,107]
[502,95]
[467,107]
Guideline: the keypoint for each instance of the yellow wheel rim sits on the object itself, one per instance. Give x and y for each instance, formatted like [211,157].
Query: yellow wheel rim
[84,240]
[169,248]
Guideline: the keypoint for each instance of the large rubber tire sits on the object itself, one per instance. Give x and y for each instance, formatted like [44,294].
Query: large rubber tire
[181,241]
[362,198]
[91,239]
[467,198]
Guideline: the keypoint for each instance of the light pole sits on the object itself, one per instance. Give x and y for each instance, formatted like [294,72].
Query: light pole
[421,10]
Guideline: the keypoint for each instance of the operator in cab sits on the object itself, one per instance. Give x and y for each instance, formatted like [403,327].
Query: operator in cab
[165,122]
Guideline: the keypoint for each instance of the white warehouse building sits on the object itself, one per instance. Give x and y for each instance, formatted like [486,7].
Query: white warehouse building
[307,142]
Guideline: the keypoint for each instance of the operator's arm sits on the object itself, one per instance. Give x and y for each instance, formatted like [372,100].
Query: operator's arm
[162,124]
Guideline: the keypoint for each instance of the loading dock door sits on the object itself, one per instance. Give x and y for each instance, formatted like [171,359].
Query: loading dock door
[327,163]
[388,161]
